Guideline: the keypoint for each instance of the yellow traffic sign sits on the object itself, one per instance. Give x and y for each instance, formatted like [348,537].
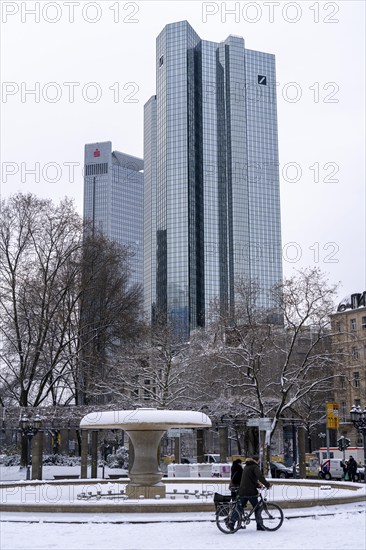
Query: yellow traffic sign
[332,415]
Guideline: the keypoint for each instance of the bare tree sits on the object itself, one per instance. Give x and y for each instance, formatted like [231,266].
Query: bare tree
[110,316]
[39,246]
[154,373]
[271,367]
[66,304]
[310,411]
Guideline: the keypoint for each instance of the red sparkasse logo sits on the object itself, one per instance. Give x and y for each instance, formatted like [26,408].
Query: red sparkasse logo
[96,153]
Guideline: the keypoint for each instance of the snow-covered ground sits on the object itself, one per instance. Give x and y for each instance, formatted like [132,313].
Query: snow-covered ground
[340,528]
[335,527]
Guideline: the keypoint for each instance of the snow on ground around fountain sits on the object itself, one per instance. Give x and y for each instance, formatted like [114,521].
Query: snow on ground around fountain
[325,528]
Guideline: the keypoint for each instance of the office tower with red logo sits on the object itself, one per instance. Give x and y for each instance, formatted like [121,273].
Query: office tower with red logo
[113,198]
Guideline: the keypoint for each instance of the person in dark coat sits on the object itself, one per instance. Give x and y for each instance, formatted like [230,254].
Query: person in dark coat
[352,468]
[248,489]
[345,469]
[235,477]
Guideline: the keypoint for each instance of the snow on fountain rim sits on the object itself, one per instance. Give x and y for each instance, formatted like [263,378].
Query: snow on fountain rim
[145,418]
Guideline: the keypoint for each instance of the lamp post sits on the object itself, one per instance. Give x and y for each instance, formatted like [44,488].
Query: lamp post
[358,418]
[29,428]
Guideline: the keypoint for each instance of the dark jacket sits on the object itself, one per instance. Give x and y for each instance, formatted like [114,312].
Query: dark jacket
[236,473]
[249,479]
[352,466]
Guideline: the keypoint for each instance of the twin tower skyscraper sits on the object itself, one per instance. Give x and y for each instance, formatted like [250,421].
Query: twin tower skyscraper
[211,208]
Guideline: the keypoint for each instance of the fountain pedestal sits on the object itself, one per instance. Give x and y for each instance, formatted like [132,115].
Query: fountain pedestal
[145,474]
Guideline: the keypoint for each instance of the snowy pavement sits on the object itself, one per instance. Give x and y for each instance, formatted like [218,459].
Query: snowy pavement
[344,529]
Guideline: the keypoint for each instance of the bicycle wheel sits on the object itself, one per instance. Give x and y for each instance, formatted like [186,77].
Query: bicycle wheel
[271,516]
[228,518]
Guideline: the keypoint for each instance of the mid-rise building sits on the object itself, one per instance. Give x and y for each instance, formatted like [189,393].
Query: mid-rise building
[349,342]
[113,198]
[212,202]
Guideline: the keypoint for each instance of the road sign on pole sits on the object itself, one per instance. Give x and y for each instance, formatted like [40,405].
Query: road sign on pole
[253,422]
[263,424]
[177,432]
[332,416]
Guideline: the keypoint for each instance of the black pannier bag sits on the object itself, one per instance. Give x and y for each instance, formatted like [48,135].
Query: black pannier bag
[220,502]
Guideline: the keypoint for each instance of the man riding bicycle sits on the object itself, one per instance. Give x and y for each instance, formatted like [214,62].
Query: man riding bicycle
[248,489]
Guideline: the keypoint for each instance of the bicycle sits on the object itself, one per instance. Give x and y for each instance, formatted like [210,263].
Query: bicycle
[230,516]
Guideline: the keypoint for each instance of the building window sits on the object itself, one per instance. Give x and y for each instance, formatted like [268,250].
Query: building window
[161,60]
[357,402]
[96,169]
[364,323]
[354,353]
[339,327]
[356,379]
[353,324]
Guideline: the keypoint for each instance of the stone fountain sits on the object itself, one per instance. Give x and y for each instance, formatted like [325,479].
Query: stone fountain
[145,428]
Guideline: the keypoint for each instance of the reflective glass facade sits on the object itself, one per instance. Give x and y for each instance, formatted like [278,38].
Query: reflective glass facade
[211,151]
[113,198]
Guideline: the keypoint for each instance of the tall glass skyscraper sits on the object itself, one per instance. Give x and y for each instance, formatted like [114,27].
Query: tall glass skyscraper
[212,205]
[113,198]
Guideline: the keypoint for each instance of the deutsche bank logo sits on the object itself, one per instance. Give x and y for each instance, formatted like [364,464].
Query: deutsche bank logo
[262,80]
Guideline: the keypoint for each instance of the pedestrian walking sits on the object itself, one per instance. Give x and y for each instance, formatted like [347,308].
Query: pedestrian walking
[251,478]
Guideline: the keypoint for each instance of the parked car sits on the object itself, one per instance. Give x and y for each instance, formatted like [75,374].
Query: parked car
[207,458]
[188,460]
[311,469]
[361,473]
[281,471]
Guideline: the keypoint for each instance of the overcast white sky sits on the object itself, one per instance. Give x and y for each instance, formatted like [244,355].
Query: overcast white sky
[107,49]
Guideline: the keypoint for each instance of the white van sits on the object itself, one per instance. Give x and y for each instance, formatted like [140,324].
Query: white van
[211,458]
[331,468]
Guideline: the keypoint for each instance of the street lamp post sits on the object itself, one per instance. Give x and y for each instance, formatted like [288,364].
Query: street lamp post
[29,428]
[358,418]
